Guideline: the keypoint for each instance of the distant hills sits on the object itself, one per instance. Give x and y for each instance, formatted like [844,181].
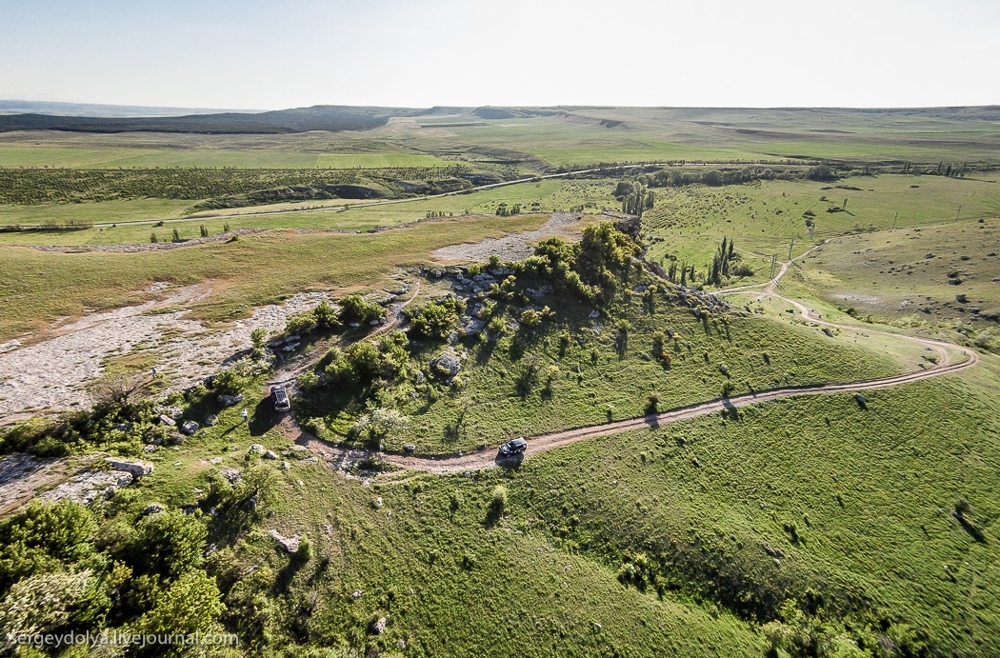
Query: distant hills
[24,115]
[321,117]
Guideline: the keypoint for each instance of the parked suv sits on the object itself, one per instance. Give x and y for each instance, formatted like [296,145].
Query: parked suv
[280,395]
[515,447]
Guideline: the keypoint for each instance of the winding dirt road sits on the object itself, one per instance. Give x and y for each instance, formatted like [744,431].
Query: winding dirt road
[488,458]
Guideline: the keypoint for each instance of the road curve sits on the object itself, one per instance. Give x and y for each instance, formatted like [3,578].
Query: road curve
[487,458]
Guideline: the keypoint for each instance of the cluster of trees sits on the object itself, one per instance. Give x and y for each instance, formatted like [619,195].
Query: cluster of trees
[678,177]
[726,263]
[591,269]
[368,365]
[503,210]
[634,197]
[33,186]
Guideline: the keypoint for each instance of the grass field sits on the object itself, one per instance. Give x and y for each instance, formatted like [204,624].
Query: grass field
[764,218]
[868,494]
[39,287]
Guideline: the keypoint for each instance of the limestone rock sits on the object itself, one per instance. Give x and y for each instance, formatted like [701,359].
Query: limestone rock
[189,427]
[135,469]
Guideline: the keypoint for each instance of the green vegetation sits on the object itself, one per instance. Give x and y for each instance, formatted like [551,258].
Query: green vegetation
[540,362]
[819,526]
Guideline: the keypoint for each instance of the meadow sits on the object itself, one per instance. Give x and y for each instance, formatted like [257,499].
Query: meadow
[811,526]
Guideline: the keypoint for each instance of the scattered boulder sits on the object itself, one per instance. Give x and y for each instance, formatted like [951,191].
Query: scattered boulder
[409,449]
[357,594]
[290,544]
[189,427]
[269,454]
[285,465]
[149,448]
[257,449]
[230,400]
[962,298]
[166,420]
[826,330]
[175,439]
[135,469]
[154,508]
[378,625]
[446,364]
[211,421]
[724,369]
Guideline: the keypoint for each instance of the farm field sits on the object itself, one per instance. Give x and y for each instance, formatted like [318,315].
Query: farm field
[415,335]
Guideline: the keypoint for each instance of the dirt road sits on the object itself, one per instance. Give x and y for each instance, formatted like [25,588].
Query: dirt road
[538,444]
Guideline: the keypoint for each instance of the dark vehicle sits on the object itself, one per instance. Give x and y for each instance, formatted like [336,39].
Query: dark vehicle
[515,447]
[280,395]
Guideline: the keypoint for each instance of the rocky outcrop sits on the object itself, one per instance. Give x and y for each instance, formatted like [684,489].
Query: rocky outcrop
[135,469]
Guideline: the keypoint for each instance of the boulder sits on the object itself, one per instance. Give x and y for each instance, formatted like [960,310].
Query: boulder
[86,487]
[189,427]
[149,448]
[211,421]
[257,449]
[232,475]
[446,364]
[230,400]
[154,508]
[269,454]
[378,625]
[135,469]
[724,369]
[290,544]
[166,420]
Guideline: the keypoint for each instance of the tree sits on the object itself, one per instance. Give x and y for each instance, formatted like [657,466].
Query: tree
[379,425]
[177,236]
[189,605]
[119,388]
[167,544]
[153,238]
[204,231]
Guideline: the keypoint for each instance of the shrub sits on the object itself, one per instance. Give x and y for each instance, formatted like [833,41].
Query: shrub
[499,502]
[300,324]
[308,380]
[325,316]
[652,404]
[354,308]
[437,319]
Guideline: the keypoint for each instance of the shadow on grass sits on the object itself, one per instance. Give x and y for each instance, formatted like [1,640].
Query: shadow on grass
[264,418]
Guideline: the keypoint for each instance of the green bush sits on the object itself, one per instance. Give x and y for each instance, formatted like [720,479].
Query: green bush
[437,319]
[354,308]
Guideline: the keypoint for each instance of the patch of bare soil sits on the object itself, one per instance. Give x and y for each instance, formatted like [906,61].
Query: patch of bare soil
[51,375]
[516,246]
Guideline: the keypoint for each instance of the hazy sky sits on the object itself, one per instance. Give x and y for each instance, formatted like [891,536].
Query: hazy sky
[419,53]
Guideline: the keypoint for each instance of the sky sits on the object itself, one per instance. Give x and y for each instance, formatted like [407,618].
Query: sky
[251,54]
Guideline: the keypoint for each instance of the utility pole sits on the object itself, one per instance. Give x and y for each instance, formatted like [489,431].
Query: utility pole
[792,244]
[774,258]
[894,220]
[956,214]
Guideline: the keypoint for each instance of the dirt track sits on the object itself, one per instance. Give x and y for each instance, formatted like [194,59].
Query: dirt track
[487,458]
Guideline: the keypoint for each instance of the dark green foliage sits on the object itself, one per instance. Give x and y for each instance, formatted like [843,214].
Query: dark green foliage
[165,545]
[437,319]
[33,186]
[354,308]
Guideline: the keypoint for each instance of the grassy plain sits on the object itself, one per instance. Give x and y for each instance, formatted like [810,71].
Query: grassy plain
[765,217]
[39,287]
